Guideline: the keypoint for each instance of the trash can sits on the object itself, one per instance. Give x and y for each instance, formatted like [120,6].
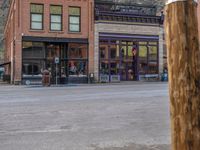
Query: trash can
[46,78]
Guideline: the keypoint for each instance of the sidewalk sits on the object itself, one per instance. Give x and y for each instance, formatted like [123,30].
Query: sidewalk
[99,84]
[89,84]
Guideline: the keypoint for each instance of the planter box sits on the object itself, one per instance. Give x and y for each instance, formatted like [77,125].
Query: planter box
[104,78]
[115,78]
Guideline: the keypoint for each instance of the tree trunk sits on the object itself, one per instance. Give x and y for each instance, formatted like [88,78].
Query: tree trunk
[184,73]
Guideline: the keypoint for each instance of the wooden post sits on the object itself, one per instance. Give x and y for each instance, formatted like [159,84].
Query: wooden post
[184,73]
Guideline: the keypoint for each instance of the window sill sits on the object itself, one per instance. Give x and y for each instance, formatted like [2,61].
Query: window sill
[32,76]
[40,31]
[56,32]
[74,32]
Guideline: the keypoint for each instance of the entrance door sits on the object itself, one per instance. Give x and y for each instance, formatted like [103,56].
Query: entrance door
[53,51]
[128,61]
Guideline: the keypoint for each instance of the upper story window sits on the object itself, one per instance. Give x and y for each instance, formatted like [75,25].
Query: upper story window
[37,11]
[55,18]
[74,19]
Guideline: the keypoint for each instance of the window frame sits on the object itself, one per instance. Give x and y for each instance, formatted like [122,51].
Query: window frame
[69,16]
[61,15]
[42,14]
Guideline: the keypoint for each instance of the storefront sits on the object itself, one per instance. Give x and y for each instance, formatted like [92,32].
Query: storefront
[127,57]
[72,56]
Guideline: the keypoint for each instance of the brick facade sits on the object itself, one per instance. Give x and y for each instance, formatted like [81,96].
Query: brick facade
[18,26]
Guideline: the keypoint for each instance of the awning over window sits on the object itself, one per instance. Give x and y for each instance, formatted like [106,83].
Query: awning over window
[4,64]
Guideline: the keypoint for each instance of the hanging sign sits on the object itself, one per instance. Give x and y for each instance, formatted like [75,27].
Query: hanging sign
[172,1]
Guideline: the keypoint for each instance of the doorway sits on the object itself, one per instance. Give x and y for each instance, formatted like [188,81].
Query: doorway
[53,51]
[128,53]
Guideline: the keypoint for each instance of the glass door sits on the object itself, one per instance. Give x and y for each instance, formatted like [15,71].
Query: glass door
[53,51]
[128,61]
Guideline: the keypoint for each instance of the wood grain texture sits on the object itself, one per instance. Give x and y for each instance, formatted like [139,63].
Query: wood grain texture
[184,74]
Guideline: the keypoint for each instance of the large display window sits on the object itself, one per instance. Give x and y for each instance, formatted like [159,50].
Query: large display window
[127,59]
[73,60]
[77,51]
[148,58]
[33,58]
[77,60]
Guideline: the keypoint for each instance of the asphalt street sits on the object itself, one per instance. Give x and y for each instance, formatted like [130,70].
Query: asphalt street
[85,117]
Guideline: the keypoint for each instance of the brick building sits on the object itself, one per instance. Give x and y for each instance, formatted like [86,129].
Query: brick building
[38,31]
[114,40]
[128,41]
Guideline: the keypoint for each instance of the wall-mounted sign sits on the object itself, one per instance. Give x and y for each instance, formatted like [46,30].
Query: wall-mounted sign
[57,60]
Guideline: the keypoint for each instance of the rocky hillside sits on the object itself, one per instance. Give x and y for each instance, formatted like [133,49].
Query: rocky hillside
[4,5]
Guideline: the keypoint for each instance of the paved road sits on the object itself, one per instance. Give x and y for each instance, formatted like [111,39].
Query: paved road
[99,117]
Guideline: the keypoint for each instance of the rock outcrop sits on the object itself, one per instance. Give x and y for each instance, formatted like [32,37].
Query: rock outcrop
[4,5]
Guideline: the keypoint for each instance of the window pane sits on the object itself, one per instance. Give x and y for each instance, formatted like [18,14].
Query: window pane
[143,67]
[104,51]
[74,20]
[56,9]
[33,50]
[113,53]
[74,28]
[153,43]
[104,67]
[124,52]
[36,25]
[32,67]
[38,44]
[55,26]
[130,51]
[142,51]
[56,18]
[78,51]
[36,8]
[153,53]
[52,51]
[114,68]
[27,52]
[38,52]
[77,68]
[153,63]
[27,44]
[142,43]
[74,11]
[36,17]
